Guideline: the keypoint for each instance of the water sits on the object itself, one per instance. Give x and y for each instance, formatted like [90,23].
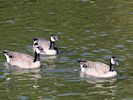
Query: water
[87,29]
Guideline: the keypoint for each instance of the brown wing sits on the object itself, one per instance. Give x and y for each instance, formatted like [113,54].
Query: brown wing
[21,56]
[45,44]
[98,66]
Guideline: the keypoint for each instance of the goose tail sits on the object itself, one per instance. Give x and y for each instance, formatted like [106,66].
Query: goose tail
[79,60]
[5,51]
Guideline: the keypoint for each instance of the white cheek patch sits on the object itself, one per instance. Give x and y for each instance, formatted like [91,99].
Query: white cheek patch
[35,42]
[7,58]
[112,61]
[52,39]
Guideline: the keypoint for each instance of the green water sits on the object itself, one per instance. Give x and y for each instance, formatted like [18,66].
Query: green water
[87,29]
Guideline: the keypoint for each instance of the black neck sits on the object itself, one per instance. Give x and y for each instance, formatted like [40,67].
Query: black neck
[52,45]
[112,67]
[37,57]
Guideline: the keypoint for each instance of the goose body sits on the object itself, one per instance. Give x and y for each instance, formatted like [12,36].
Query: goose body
[99,69]
[22,60]
[48,46]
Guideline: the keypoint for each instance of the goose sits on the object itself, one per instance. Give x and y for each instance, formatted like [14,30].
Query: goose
[99,69]
[23,61]
[48,46]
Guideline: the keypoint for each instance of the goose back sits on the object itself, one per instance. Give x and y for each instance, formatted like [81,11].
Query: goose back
[95,67]
[45,44]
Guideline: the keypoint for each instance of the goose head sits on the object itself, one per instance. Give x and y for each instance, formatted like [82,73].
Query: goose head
[38,49]
[114,60]
[35,41]
[53,38]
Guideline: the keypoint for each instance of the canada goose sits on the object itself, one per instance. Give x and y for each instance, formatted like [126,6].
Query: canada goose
[99,69]
[22,60]
[48,46]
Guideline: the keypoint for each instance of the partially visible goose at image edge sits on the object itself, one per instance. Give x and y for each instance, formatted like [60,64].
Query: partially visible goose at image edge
[23,61]
[47,45]
[99,69]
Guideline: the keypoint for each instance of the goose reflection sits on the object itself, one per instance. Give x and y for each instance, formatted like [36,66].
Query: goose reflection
[100,86]
[50,59]
[91,79]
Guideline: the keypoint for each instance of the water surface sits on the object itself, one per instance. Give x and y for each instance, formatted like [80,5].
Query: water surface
[87,29]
